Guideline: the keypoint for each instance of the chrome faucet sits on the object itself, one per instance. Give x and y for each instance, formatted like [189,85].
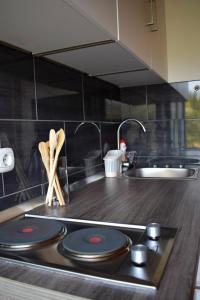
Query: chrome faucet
[122,123]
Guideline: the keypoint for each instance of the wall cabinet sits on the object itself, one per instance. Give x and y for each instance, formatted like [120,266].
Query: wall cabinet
[158,41]
[138,26]
[133,32]
[127,22]
[136,45]
[142,30]
[46,25]
[101,12]
[161,35]
[170,46]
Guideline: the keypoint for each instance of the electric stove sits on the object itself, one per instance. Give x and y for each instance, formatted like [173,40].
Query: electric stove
[123,253]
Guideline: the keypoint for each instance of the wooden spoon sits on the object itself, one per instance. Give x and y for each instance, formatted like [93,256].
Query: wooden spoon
[52,147]
[56,183]
[60,142]
[44,150]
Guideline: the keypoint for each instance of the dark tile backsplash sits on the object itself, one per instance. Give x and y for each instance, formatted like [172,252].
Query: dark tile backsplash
[37,95]
[108,137]
[164,102]
[1,185]
[83,147]
[23,137]
[17,91]
[97,99]
[59,92]
[134,103]
[18,198]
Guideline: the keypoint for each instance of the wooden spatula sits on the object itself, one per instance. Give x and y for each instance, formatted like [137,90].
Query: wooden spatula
[52,147]
[44,150]
[60,142]
[56,183]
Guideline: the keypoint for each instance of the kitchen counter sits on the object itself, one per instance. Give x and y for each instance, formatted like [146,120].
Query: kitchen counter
[174,203]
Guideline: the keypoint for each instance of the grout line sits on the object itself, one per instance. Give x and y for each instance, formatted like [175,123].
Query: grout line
[146,100]
[65,130]
[84,168]
[67,175]
[83,98]
[100,139]
[101,122]
[43,189]
[58,121]
[3,186]
[35,89]
[24,190]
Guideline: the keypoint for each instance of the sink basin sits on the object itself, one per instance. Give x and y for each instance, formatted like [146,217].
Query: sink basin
[162,173]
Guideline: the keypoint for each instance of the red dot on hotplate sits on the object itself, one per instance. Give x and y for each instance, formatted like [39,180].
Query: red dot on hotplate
[95,239]
[27,229]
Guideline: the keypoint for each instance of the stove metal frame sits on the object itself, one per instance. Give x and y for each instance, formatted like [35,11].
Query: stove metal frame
[126,273]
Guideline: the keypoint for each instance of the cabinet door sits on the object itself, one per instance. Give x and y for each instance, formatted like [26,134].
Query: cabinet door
[40,26]
[158,39]
[98,60]
[183,43]
[101,12]
[133,32]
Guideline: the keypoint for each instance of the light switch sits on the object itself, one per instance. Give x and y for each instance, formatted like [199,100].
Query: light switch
[7,160]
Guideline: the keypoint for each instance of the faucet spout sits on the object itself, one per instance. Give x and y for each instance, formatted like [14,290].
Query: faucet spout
[122,123]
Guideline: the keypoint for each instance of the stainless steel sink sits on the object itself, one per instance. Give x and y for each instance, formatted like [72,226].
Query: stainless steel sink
[162,173]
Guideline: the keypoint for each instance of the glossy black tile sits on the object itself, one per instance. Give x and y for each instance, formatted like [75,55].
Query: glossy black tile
[17,198]
[116,105]
[1,186]
[190,94]
[173,161]
[134,103]
[17,93]
[162,138]
[135,138]
[189,137]
[117,111]
[164,102]
[97,99]
[108,137]
[83,146]
[23,137]
[59,91]
[80,179]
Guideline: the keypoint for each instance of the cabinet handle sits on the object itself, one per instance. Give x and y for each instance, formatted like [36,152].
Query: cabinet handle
[153,16]
[151,19]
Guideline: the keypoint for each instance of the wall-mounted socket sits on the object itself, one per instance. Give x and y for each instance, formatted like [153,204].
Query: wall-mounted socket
[7,160]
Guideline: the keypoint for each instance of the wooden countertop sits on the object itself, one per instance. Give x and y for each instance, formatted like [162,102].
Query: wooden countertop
[174,203]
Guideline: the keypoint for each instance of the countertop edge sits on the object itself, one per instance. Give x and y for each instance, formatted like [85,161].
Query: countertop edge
[20,209]
[12,289]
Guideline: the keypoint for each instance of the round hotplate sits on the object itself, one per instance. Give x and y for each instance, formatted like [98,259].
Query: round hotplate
[25,234]
[94,244]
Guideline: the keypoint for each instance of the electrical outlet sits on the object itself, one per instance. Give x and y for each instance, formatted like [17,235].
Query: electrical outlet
[7,160]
